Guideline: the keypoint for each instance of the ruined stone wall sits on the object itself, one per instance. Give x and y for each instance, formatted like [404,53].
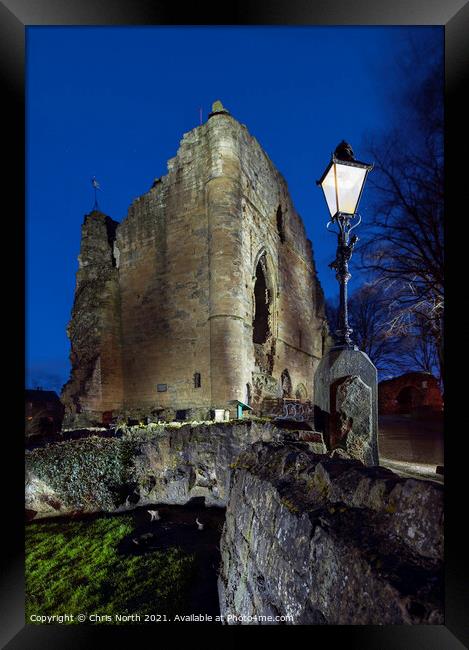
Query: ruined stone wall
[96,382]
[187,256]
[154,464]
[328,541]
[274,233]
[412,392]
[321,540]
[164,282]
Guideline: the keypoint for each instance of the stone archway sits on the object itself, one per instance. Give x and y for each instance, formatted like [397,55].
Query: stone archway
[408,399]
[263,314]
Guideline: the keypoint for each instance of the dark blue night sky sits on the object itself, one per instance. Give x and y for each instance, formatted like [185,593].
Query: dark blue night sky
[115,102]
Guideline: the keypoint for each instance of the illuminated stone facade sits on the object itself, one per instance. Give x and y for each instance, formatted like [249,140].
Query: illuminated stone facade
[206,292]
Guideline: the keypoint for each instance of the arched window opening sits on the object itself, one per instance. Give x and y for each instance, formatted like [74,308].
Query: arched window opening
[286,384]
[280,224]
[248,394]
[301,392]
[261,329]
[197,380]
[324,332]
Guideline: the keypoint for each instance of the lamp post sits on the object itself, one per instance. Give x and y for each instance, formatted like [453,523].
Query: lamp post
[342,183]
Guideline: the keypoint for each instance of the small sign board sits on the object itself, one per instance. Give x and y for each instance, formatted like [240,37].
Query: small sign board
[161,388]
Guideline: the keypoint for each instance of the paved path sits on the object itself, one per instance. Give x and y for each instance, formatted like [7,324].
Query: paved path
[411,447]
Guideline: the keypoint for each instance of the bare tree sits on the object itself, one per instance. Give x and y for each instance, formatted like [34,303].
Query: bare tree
[418,350]
[370,312]
[403,250]
[369,317]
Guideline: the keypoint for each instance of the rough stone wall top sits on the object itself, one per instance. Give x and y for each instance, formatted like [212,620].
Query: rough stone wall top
[328,541]
[148,465]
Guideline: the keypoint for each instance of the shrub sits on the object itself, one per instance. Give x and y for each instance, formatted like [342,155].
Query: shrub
[90,471]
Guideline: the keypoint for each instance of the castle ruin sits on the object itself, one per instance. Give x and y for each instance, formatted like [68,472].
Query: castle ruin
[205,293]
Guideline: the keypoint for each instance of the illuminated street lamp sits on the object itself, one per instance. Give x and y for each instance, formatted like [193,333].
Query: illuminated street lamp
[342,184]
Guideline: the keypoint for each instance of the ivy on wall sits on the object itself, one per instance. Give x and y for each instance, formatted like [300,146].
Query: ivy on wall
[91,471]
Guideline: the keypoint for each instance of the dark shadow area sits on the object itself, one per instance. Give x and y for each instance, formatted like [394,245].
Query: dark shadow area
[261,318]
[296,425]
[286,383]
[409,398]
[280,225]
[180,526]
[193,528]
[321,423]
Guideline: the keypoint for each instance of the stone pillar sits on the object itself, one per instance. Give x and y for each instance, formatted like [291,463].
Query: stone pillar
[349,415]
[227,292]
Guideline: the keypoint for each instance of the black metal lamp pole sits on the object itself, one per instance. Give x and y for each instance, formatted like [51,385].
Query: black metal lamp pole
[340,265]
[342,184]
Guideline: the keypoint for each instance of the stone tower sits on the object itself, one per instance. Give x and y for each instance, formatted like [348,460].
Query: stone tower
[206,292]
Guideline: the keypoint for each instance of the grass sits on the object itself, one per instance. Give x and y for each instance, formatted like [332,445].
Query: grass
[75,568]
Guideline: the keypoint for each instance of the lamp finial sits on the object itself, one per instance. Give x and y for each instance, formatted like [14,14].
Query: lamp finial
[344,151]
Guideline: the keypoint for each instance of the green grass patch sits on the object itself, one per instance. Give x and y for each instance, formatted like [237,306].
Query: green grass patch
[75,568]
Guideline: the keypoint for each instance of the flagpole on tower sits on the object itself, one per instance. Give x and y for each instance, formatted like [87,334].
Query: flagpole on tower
[96,187]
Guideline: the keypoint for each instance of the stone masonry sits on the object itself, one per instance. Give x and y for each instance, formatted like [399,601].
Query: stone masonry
[206,292]
[321,540]
[412,392]
[142,466]
[308,535]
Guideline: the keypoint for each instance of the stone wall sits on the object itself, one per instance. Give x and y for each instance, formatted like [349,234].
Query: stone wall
[317,539]
[410,393]
[329,541]
[96,383]
[154,464]
[175,288]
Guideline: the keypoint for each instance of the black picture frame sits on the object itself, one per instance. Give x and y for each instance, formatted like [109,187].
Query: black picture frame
[15,16]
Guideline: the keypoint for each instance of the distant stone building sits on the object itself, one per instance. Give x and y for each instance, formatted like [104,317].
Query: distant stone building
[44,412]
[413,392]
[206,292]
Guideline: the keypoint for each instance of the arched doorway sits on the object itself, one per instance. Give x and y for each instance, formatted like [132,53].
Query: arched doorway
[263,313]
[408,399]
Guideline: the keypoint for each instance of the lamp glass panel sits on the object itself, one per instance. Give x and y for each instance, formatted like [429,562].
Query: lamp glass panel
[328,187]
[349,184]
